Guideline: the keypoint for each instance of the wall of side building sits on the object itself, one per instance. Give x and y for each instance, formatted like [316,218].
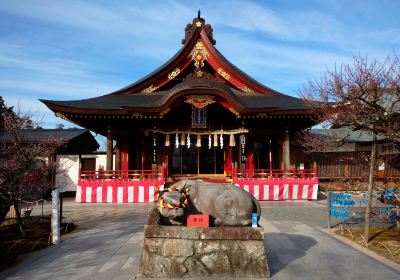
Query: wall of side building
[68,180]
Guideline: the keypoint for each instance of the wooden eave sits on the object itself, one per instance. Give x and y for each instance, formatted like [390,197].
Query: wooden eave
[174,99]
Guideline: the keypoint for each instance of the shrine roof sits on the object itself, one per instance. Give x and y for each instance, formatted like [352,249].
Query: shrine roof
[197,68]
[159,99]
[284,102]
[151,74]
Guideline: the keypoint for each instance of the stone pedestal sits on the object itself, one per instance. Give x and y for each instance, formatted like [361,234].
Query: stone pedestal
[178,251]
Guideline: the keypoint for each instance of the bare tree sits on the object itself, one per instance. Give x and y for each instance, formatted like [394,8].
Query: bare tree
[362,96]
[27,168]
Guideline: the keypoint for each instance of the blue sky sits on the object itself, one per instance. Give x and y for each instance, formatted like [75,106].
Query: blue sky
[65,50]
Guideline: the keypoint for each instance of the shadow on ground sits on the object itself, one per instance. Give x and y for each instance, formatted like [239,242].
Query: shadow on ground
[283,249]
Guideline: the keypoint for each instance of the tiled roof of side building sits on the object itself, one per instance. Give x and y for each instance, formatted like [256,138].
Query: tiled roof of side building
[36,135]
[357,136]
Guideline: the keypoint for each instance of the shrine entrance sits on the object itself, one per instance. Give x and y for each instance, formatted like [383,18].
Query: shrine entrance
[194,160]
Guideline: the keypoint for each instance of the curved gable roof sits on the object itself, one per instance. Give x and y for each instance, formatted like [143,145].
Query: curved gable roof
[183,59]
[236,87]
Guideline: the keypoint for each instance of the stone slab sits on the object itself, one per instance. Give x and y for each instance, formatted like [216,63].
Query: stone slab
[204,233]
[180,252]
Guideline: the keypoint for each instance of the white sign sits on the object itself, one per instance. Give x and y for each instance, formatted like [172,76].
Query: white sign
[381,166]
[301,167]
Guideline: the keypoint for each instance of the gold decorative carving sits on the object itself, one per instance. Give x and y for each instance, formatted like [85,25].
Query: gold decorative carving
[164,112]
[198,24]
[199,54]
[149,89]
[200,101]
[136,114]
[198,74]
[247,89]
[236,113]
[174,73]
[223,74]
[64,117]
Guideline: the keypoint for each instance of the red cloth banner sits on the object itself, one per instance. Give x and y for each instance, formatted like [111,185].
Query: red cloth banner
[280,189]
[118,191]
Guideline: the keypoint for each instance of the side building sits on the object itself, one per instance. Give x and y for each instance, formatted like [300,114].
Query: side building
[78,144]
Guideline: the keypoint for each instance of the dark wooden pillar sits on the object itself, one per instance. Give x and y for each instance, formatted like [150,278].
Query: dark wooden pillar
[228,161]
[286,149]
[125,156]
[109,162]
[118,155]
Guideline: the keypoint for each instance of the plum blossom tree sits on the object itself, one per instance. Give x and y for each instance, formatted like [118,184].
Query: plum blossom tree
[27,167]
[362,96]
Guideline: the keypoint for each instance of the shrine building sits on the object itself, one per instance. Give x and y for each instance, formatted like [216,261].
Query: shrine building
[196,116]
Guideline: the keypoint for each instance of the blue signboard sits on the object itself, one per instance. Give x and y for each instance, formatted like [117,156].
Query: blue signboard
[340,204]
[389,195]
[199,118]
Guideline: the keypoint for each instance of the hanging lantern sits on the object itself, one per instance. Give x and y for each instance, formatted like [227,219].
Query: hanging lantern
[215,140]
[176,141]
[183,141]
[209,141]
[221,141]
[232,142]
[198,142]
[188,141]
[167,142]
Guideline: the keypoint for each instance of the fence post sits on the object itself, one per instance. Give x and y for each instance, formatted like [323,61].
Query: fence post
[55,217]
[329,208]
[397,213]
[315,169]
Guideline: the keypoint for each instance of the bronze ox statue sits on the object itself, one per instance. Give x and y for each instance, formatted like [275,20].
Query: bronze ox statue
[226,204]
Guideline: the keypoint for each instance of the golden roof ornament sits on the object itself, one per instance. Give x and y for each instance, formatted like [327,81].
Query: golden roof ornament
[200,101]
[198,23]
[247,89]
[149,89]
[174,73]
[199,54]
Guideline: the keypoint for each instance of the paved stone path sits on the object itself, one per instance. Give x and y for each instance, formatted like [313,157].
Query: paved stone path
[298,251]
[108,245]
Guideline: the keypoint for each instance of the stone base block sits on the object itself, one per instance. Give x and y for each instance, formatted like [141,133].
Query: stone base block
[176,251]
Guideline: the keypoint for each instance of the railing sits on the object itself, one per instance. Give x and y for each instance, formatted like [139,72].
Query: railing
[337,166]
[274,173]
[143,175]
